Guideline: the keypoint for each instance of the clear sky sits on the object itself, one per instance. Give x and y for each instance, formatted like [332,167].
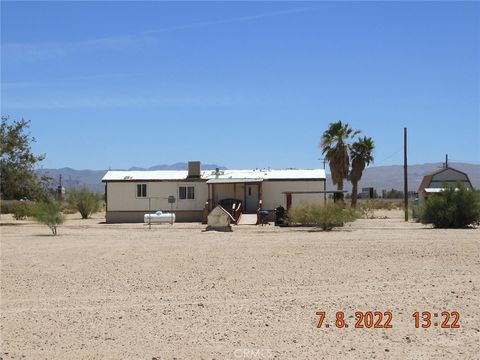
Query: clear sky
[240,84]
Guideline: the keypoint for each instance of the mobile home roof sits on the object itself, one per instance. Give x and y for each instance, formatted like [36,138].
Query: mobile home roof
[258,174]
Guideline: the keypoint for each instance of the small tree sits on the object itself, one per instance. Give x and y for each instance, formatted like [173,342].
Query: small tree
[17,161]
[454,208]
[48,213]
[85,201]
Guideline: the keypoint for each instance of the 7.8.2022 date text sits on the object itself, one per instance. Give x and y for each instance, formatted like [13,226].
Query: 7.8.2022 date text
[368,320]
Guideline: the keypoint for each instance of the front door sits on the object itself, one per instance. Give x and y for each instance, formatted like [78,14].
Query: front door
[251,198]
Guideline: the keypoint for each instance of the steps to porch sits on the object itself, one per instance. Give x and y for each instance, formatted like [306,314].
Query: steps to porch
[248,219]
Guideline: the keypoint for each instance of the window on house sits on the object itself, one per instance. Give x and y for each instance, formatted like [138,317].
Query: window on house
[190,192]
[186,192]
[141,190]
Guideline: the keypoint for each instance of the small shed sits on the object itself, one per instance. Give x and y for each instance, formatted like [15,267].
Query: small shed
[434,182]
[219,219]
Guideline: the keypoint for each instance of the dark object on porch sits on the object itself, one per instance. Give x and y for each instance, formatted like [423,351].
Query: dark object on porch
[233,207]
[230,205]
[279,216]
[263,217]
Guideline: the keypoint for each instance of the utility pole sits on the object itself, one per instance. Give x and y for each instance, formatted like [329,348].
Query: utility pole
[60,189]
[405,173]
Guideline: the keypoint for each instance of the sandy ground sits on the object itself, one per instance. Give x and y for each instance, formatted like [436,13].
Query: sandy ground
[101,291]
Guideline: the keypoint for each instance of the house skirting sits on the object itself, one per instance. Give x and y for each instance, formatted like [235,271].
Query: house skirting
[137,216]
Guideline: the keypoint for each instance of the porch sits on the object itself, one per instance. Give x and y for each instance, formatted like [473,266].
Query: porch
[248,192]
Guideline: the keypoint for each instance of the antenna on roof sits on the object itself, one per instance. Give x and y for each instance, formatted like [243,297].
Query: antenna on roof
[446,161]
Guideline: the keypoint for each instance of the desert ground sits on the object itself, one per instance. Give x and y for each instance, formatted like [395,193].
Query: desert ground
[122,291]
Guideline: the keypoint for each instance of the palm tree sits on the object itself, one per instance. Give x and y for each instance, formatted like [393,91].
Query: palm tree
[335,146]
[361,153]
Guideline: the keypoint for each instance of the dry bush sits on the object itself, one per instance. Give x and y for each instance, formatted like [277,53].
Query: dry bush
[326,217]
[368,209]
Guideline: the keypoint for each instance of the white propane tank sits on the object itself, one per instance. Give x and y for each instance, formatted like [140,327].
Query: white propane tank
[159,217]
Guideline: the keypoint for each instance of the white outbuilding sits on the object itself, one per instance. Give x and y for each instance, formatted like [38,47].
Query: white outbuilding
[219,219]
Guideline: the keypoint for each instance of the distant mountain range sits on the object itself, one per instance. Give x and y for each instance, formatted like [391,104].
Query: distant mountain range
[379,177]
[93,178]
[178,166]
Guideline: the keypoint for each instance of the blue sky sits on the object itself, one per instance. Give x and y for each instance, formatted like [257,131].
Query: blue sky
[240,84]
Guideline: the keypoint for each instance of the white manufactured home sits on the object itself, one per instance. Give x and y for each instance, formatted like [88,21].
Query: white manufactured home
[131,194]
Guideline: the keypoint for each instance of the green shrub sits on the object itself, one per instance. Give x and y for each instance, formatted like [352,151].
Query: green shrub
[48,213]
[350,214]
[326,217]
[22,210]
[19,209]
[85,201]
[454,208]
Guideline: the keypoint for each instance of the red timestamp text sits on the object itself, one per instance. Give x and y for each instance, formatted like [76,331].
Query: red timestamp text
[384,320]
[427,319]
[364,320]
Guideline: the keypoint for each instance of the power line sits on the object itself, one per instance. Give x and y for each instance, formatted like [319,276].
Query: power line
[388,157]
